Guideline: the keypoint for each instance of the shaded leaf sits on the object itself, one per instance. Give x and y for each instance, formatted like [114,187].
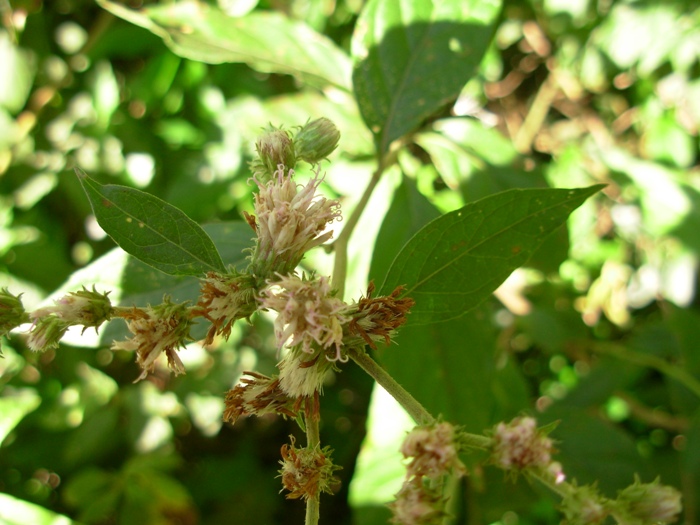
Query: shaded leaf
[152,230]
[13,408]
[266,41]
[412,58]
[15,511]
[459,259]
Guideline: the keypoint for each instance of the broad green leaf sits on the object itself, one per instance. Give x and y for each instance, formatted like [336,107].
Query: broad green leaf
[13,408]
[15,511]
[459,259]
[412,58]
[266,41]
[152,230]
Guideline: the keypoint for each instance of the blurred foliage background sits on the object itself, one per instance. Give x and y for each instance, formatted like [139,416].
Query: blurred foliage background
[600,330]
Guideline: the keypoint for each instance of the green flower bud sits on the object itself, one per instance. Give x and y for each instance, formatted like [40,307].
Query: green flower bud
[316,140]
[584,506]
[12,312]
[274,148]
[648,504]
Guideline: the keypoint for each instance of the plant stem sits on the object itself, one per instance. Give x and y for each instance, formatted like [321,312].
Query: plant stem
[676,372]
[419,414]
[563,489]
[313,440]
[340,246]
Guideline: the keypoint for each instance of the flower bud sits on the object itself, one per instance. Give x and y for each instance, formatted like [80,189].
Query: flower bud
[316,140]
[84,307]
[648,503]
[274,148]
[433,451]
[417,504]
[46,332]
[584,506]
[12,312]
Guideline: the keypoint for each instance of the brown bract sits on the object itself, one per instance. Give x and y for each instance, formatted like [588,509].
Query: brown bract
[377,318]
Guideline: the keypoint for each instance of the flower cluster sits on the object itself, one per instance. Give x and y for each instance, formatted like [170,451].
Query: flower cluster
[12,312]
[157,329]
[647,504]
[433,450]
[306,472]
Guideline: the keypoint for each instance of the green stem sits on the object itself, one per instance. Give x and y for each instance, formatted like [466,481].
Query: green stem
[651,361]
[313,440]
[340,246]
[563,489]
[419,414]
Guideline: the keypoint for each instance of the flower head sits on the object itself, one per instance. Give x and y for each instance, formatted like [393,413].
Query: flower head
[46,332]
[376,319]
[306,472]
[84,307]
[223,299]
[648,504]
[159,329]
[584,506]
[275,148]
[309,316]
[519,444]
[433,450]
[290,221]
[417,504]
[258,395]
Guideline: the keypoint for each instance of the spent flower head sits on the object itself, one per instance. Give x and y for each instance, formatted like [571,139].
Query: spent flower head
[161,329]
[306,472]
[258,395]
[520,444]
[223,299]
[290,221]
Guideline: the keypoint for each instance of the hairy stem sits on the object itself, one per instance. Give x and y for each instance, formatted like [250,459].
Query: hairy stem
[419,414]
[313,440]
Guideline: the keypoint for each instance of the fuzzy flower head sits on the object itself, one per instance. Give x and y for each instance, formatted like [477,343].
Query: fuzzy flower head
[584,506]
[309,316]
[258,395]
[290,221]
[159,329]
[648,504]
[301,375]
[223,299]
[306,472]
[274,148]
[519,444]
[433,451]
[84,307]
[417,504]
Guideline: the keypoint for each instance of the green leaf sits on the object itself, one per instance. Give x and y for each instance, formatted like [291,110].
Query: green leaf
[13,408]
[412,58]
[266,41]
[152,230]
[459,259]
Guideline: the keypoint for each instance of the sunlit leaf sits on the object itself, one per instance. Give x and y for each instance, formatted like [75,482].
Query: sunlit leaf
[459,259]
[152,230]
[13,408]
[14,511]
[266,41]
[412,58]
